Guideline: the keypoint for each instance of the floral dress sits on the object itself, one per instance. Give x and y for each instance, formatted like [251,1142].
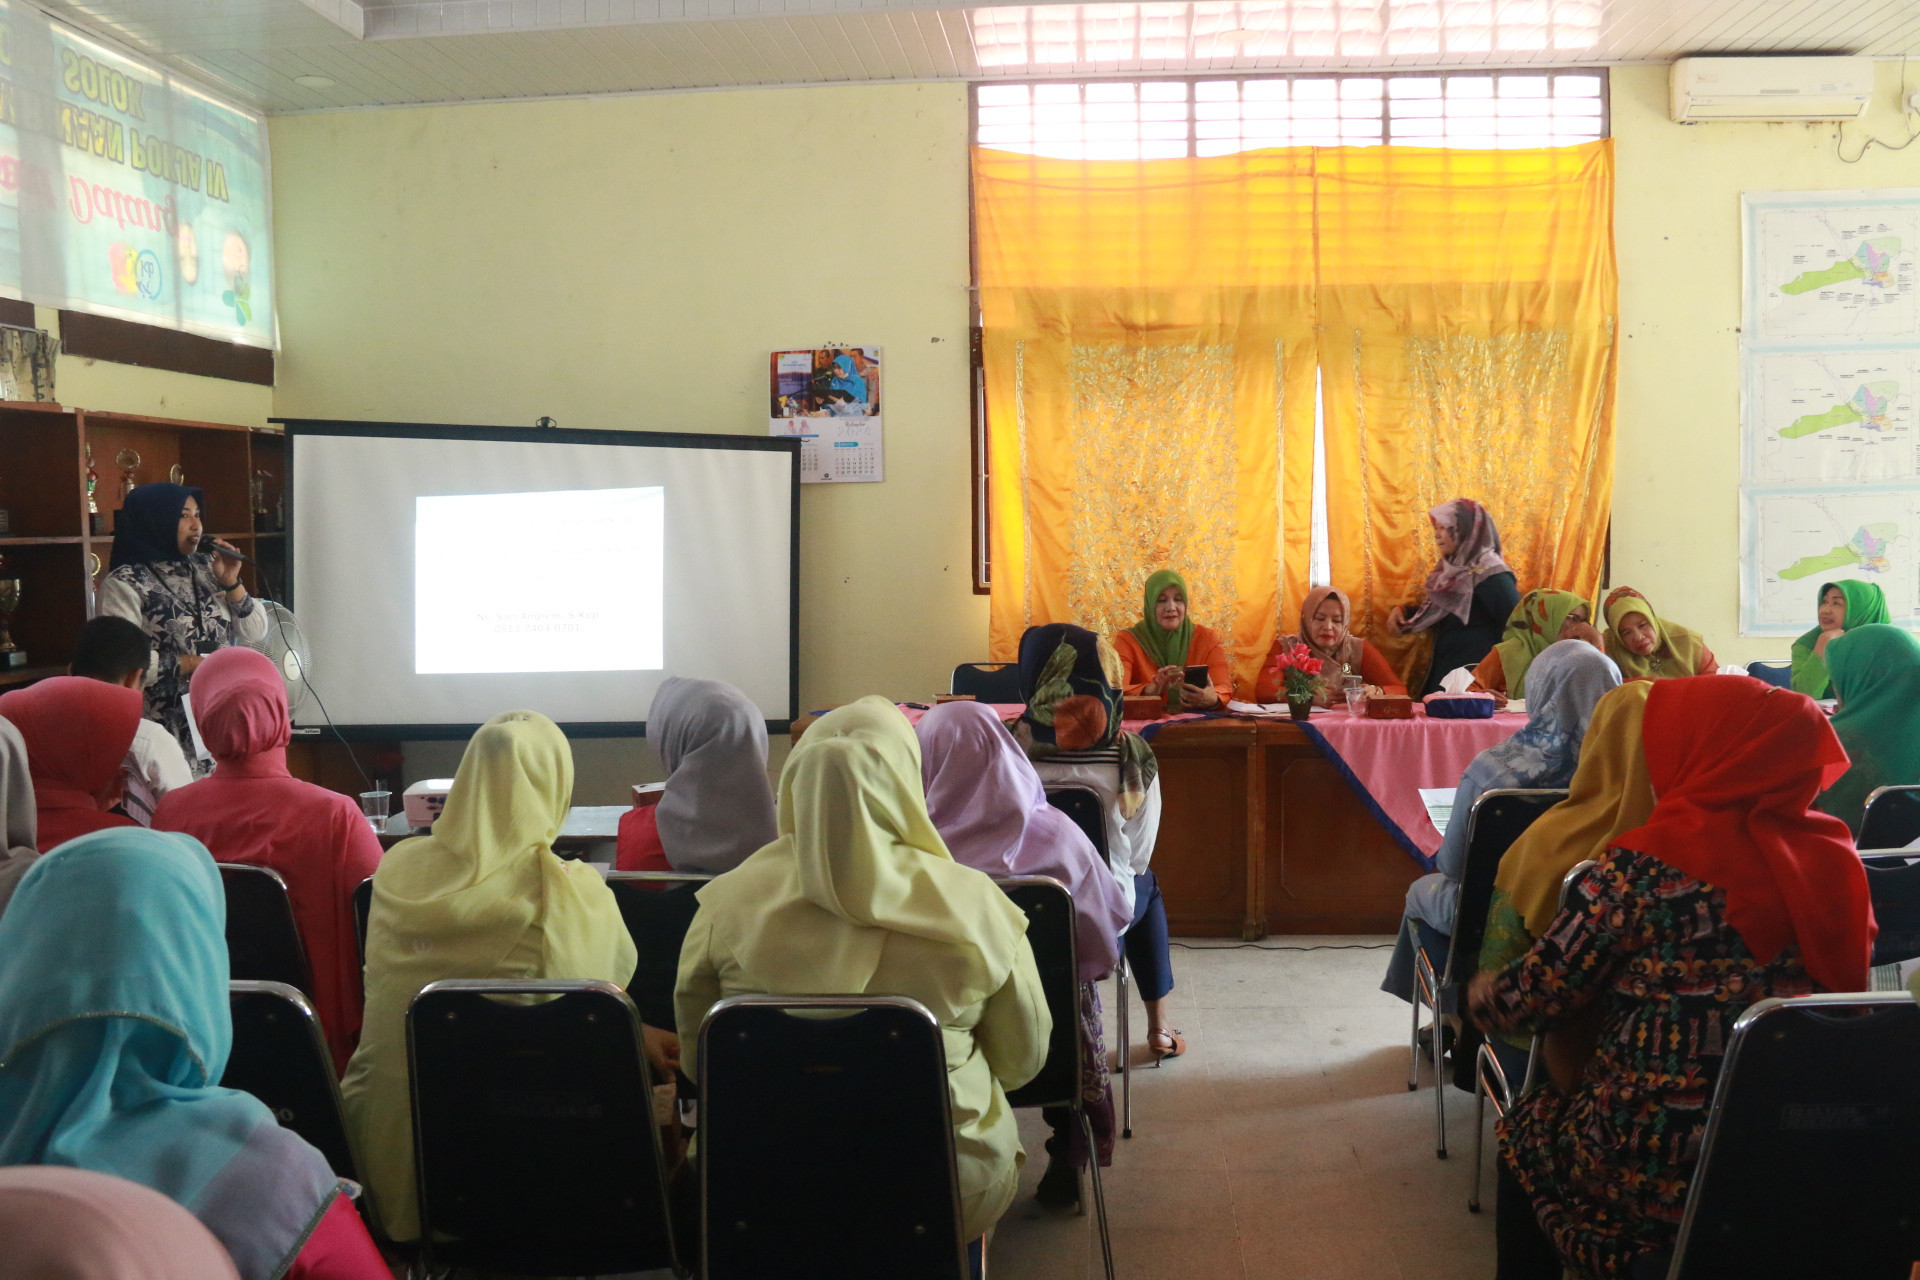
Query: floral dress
[178,603]
[1649,947]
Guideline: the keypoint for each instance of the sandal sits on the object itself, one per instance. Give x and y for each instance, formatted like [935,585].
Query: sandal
[1177,1045]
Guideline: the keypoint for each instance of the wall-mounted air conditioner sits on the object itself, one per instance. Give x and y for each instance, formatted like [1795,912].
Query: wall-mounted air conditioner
[1788,89]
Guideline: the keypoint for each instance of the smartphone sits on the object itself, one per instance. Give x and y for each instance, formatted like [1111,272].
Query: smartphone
[1198,677]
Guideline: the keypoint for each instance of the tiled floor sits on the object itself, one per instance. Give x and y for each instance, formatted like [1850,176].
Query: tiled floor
[1284,1144]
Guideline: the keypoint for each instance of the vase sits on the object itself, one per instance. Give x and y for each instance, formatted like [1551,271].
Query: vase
[1300,708]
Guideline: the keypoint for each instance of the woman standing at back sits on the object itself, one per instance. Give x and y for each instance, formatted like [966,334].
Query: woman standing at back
[1469,594]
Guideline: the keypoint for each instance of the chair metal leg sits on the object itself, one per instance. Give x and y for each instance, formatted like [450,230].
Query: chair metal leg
[1439,1082]
[1126,1049]
[1479,1130]
[1099,1191]
[1413,1038]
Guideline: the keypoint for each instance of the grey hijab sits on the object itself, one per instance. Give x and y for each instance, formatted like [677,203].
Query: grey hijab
[718,806]
[19,829]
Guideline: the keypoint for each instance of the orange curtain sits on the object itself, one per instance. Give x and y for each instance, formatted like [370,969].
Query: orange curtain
[1152,331]
[1148,351]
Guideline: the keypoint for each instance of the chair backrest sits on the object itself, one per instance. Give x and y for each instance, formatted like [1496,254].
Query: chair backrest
[535,1145]
[1817,1108]
[263,942]
[826,1141]
[1893,880]
[987,681]
[1048,905]
[1777,674]
[658,907]
[1498,818]
[280,1057]
[362,911]
[1088,811]
[1892,820]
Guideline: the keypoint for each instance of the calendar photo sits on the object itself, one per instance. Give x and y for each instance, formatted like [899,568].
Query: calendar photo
[829,398]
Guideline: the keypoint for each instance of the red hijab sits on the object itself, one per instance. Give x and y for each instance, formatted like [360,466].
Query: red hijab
[240,704]
[78,732]
[1735,764]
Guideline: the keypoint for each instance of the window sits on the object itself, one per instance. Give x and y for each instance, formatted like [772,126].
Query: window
[1173,117]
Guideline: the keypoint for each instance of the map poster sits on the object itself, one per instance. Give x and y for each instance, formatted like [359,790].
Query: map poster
[1838,416]
[1829,268]
[1797,539]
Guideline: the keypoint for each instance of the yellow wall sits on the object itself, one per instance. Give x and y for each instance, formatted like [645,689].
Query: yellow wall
[1676,497]
[123,388]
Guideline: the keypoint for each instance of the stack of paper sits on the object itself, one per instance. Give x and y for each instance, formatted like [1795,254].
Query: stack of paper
[1439,802]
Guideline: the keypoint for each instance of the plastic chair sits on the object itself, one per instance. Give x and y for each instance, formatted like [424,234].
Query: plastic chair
[987,681]
[263,942]
[535,1147]
[1817,1108]
[1497,819]
[362,910]
[1892,818]
[1089,813]
[280,1057]
[826,1141]
[1048,905]
[658,907]
[1493,1069]
[1777,674]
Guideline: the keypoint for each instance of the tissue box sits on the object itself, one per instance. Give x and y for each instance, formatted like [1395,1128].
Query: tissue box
[646,794]
[1389,706]
[1144,708]
[1460,706]
[424,800]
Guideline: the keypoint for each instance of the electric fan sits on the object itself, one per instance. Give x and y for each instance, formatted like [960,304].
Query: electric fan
[285,644]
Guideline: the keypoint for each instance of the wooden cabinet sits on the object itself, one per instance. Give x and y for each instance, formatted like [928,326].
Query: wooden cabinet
[49,545]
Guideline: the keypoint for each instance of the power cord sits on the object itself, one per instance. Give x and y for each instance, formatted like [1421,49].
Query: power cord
[266,584]
[1906,117]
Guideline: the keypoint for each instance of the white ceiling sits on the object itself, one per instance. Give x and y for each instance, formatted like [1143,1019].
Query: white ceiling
[388,52]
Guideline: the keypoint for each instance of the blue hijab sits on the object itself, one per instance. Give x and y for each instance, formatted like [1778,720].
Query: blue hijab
[147,526]
[114,1032]
[846,377]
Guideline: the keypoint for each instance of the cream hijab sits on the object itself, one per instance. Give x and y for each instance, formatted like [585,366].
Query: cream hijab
[19,824]
[857,860]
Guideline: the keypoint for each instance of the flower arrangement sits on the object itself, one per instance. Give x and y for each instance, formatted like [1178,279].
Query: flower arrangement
[1299,671]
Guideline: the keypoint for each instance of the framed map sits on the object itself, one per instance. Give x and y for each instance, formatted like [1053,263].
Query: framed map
[1832,267]
[1793,540]
[1838,416]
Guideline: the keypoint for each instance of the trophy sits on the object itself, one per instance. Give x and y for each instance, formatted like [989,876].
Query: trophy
[128,460]
[10,657]
[96,523]
[176,474]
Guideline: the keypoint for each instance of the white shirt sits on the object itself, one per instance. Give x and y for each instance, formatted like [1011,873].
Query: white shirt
[154,766]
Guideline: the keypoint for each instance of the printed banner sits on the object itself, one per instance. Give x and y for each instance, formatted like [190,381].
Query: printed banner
[126,193]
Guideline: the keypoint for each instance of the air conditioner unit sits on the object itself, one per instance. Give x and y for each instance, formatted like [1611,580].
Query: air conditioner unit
[1776,89]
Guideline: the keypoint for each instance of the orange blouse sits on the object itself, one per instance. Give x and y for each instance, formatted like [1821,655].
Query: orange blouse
[1374,669]
[1205,647]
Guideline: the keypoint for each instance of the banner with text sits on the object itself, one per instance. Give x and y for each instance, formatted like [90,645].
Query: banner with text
[127,193]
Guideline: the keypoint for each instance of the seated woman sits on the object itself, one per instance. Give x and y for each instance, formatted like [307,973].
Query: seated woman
[988,805]
[1876,676]
[1646,647]
[1543,617]
[74,1224]
[115,1029]
[717,808]
[1732,892]
[484,896]
[1325,616]
[78,732]
[19,825]
[1069,679]
[1844,605]
[1469,594]
[1568,679]
[252,811]
[857,895]
[1156,651]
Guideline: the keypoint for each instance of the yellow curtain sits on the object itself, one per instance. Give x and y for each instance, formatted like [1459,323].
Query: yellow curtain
[1149,375]
[1151,336]
[1467,302]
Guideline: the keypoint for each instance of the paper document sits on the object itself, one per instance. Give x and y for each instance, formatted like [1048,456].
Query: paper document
[1439,802]
[1259,708]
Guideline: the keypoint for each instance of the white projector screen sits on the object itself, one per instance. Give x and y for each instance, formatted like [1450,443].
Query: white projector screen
[445,574]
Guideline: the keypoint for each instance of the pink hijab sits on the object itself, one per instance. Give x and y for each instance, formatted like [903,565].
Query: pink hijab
[61,1223]
[78,732]
[990,809]
[1476,557]
[240,704]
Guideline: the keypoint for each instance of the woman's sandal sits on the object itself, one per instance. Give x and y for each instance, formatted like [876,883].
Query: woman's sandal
[1177,1045]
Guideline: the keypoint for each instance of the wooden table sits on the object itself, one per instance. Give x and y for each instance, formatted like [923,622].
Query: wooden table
[1260,834]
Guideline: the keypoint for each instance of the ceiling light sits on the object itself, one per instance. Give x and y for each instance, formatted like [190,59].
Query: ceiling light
[314,82]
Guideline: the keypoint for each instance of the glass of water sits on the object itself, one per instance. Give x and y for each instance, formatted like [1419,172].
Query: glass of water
[374,804]
[1356,690]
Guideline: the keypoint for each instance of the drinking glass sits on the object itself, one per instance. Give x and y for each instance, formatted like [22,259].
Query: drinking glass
[374,805]
[1355,688]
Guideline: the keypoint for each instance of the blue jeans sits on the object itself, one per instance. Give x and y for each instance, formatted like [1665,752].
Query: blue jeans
[1146,941]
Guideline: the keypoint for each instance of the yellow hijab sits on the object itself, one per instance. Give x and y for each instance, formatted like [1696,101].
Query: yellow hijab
[1609,795]
[484,896]
[858,859]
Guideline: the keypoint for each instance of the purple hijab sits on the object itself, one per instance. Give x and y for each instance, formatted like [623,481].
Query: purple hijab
[991,810]
[1476,557]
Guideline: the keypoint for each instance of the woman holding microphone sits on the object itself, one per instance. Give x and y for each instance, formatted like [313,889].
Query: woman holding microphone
[188,601]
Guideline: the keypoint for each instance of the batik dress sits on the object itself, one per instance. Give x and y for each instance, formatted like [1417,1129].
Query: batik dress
[1649,951]
[179,604]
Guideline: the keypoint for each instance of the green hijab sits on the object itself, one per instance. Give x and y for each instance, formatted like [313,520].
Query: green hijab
[1166,648]
[1876,673]
[1533,625]
[1865,605]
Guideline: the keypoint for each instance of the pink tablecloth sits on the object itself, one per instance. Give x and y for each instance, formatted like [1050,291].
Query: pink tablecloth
[1389,761]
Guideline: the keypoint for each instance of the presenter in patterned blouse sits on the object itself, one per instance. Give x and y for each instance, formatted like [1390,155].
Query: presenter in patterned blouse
[188,601]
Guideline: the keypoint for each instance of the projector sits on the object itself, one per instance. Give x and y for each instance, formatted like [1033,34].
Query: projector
[424,800]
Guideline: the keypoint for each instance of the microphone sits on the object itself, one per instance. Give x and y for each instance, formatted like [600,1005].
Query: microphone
[206,544]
